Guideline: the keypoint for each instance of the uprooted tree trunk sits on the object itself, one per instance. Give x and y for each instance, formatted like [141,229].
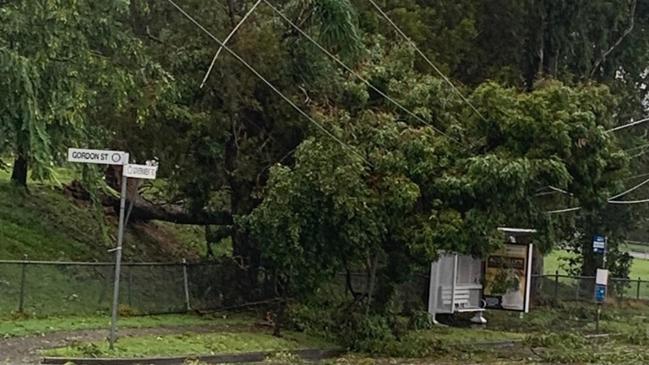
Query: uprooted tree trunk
[144,210]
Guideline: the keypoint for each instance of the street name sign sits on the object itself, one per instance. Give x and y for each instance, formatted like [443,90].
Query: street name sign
[140,171]
[102,157]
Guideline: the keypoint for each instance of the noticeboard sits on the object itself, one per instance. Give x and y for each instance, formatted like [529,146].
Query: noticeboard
[507,279]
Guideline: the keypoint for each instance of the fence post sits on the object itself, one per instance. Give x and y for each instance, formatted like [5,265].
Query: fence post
[186,286]
[130,285]
[621,294]
[637,293]
[556,286]
[23,274]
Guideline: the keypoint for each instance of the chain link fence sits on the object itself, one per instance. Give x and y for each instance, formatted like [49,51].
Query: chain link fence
[555,288]
[70,288]
[65,288]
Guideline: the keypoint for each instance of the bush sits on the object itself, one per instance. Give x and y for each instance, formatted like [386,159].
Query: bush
[386,335]
[420,320]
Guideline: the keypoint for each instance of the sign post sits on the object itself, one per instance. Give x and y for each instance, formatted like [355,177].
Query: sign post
[118,262]
[107,157]
[601,282]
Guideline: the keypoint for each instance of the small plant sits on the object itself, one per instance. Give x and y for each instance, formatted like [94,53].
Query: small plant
[420,320]
[194,362]
[87,349]
[282,358]
[20,316]
[127,311]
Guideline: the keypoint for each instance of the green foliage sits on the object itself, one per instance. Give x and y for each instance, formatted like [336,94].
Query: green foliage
[420,320]
[71,67]
[284,358]
[420,193]
[126,73]
[188,344]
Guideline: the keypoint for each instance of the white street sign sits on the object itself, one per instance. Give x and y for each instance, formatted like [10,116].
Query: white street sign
[102,157]
[140,171]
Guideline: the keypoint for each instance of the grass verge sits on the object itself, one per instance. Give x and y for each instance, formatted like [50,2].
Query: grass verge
[555,261]
[189,344]
[40,326]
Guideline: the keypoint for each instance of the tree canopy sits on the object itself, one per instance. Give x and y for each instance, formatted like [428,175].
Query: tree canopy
[511,123]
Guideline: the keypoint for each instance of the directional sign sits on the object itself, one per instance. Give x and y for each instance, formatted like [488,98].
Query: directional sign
[102,157]
[141,171]
[599,244]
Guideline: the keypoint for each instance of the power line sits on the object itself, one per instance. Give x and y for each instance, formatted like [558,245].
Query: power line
[563,210]
[268,83]
[629,190]
[225,41]
[625,125]
[611,200]
[639,154]
[636,176]
[559,190]
[416,48]
[628,201]
[637,147]
[350,70]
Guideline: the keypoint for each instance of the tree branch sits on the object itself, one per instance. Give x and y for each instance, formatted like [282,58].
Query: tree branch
[626,32]
[145,211]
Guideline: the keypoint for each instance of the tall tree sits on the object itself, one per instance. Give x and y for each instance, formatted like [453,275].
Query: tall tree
[69,66]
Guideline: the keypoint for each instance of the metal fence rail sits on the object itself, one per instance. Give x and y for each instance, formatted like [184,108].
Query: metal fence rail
[68,288]
[60,288]
[558,287]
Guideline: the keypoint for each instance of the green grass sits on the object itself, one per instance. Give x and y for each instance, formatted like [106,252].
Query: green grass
[455,335]
[44,224]
[37,326]
[189,344]
[557,333]
[555,261]
[636,248]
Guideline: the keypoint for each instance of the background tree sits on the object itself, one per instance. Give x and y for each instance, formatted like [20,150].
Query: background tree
[71,68]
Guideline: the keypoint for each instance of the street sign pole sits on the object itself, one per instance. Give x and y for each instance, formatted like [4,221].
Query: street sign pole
[601,282]
[148,171]
[119,158]
[118,261]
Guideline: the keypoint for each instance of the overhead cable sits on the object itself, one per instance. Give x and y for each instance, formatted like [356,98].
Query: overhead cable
[226,40]
[625,125]
[637,147]
[268,83]
[629,190]
[610,200]
[350,70]
[416,48]
[628,201]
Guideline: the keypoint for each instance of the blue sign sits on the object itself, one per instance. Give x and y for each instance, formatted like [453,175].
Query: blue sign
[600,293]
[599,244]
